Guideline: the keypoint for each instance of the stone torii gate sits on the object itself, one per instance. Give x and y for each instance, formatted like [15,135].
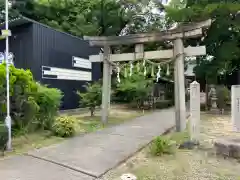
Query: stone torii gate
[178,52]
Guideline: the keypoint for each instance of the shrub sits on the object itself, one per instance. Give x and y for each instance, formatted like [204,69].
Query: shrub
[164,104]
[3,137]
[23,90]
[92,97]
[223,96]
[133,88]
[203,107]
[64,126]
[161,145]
[49,101]
[32,105]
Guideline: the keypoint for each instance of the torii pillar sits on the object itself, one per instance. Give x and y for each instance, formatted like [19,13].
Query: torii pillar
[179,83]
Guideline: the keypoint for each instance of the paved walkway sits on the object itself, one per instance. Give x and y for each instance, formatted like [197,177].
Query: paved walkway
[87,157]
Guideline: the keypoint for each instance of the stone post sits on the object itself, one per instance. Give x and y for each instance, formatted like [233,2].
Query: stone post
[105,85]
[213,99]
[195,111]
[235,103]
[109,85]
[179,86]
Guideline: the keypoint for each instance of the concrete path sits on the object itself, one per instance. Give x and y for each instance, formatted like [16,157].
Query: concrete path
[89,156]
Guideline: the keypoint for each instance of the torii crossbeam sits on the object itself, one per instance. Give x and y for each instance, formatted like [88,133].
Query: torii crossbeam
[176,35]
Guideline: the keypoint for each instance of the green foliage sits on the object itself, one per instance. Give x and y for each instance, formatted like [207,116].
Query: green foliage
[223,96]
[222,39]
[12,12]
[64,126]
[161,145]
[164,104]
[134,87]
[32,105]
[92,97]
[49,101]
[23,91]
[203,107]
[3,136]
[93,17]
[177,4]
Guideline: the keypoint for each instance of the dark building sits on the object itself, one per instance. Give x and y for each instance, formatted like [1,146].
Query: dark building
[55,58]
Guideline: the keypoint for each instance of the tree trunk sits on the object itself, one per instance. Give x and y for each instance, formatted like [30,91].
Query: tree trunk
[92,109]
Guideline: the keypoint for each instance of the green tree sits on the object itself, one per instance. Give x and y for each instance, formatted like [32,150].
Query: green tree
[222,39]
[91,17]
[92,97]
[133,88]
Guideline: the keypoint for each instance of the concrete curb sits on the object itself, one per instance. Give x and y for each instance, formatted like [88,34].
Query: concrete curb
[62,165]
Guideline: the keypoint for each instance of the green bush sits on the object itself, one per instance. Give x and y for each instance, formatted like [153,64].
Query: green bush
[49,101]
[3,137]
[223,96]
[23,91]
[92,97]
[161,145]
[203,107]
[133,88]
[164,104]
[32,105]
[64,126]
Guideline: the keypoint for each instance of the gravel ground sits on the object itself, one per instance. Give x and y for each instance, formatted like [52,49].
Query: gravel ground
[198,164]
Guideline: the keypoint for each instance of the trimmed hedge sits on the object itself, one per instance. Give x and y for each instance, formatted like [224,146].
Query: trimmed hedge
[3,137]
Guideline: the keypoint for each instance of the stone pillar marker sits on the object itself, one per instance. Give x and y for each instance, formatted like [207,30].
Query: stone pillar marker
[235,106]
[213,98]
[195,111]
[110,85]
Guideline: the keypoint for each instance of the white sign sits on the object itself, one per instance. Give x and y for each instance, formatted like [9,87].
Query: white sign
[194,110]
[235,103]
[65,74]
[81,63]
[10,57]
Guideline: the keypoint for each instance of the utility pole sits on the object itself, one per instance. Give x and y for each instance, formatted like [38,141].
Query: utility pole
[8,120]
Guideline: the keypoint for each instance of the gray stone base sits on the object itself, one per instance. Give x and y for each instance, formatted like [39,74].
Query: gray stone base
[228,147]
[214,110]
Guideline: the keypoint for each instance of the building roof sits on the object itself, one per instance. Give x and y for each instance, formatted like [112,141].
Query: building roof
[15,22]
[24,20]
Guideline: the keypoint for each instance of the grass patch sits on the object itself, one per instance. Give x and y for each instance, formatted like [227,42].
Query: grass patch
[89,124]
[23,142]
[179,137]
[31,141]
[184,164]
[162,145]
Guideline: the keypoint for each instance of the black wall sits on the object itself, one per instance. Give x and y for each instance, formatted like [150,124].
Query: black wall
[20,43]
[35,45]
[53,48]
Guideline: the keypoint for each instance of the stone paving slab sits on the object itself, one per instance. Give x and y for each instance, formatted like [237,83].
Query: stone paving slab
[98,152]
[28,168]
